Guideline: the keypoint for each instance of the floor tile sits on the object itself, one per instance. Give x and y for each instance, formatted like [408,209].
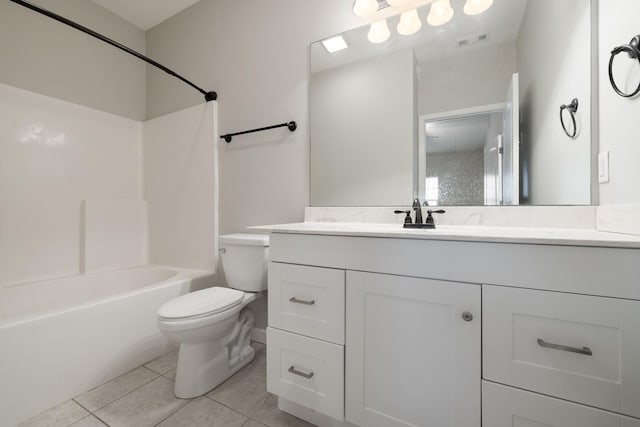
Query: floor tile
[246,391]
[62,415]
[147,406]
[253,423]
[204,412]
[164,363]
[270,415]
[89,421]
[108,392]
[170,375]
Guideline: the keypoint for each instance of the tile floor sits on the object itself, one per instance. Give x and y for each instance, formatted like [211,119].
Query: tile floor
[144,397]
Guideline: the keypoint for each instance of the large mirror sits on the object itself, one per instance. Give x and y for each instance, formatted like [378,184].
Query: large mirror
[465,113]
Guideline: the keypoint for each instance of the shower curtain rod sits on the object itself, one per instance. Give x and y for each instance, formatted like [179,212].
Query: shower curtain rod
[208,95]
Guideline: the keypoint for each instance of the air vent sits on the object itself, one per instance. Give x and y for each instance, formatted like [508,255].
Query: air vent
[467,41]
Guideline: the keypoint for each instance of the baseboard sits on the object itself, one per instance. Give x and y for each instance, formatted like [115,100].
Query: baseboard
[309,415]
[259,335]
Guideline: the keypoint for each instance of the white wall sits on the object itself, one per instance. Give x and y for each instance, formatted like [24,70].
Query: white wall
[255,54]
[559,32]
[44,56]
[53,155]
[485,75]
[618,22]
[180,186]
[372,166]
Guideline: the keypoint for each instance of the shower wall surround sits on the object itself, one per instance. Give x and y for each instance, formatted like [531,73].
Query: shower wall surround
[53,155]
[71,188]
[181,187]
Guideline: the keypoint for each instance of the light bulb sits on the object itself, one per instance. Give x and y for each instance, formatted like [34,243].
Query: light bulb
[409,23]
[475,7]
[365,8]
[441,13]
[379,32]
[397,3]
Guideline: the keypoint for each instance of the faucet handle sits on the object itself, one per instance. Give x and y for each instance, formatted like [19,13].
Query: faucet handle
[407,218]
[429,219]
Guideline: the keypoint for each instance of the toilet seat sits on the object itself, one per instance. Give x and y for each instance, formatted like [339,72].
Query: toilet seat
[199,304]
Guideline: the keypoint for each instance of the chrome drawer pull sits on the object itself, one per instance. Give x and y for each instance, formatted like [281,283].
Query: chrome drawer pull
[584,350]
[301,301]
[294,371]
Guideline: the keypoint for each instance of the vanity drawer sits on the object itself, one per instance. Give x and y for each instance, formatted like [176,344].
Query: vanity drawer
[307,300]
[504,406]
[580,348]
[306,371]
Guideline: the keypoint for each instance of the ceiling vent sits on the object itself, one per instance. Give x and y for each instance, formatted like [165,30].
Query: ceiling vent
[468,41]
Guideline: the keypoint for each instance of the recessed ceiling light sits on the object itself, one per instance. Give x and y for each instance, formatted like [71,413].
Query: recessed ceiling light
[335,44]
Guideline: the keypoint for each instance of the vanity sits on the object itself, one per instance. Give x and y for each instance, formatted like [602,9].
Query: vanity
[510,323]
[374,325]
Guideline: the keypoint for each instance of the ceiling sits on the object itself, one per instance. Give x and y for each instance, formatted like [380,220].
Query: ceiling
[145,14]
[459,134]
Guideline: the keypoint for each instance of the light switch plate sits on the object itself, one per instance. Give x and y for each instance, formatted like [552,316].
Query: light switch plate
[603,167]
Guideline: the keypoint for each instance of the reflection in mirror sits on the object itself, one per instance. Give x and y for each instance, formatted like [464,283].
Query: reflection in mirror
[466,113]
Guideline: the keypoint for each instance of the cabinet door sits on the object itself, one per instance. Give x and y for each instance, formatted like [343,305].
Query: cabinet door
[580,348]
[411,358]
[504,406]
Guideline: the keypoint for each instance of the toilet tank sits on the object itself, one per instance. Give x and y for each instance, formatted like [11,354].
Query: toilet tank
[245,259]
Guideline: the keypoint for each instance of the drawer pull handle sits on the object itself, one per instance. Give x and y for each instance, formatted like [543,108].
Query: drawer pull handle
[584,350]
[294,371]
[302,301]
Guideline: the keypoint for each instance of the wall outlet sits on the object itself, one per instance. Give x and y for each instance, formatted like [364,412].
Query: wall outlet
[603,167]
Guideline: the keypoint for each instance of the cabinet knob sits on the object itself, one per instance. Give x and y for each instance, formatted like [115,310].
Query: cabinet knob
[467,316]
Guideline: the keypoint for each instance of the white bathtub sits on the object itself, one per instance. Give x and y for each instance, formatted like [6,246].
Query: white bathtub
[59,338]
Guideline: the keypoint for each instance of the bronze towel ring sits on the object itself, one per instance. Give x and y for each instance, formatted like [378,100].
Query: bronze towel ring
[633,50]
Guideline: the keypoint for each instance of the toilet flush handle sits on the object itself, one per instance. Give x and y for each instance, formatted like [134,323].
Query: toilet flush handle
[222,250]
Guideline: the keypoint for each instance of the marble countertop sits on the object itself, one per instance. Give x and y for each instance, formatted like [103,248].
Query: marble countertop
[529,235]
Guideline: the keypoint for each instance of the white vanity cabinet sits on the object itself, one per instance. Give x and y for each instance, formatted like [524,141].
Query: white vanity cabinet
[413,352]
[396,330]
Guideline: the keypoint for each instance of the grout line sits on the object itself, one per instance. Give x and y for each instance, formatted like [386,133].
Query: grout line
[77,421]
[236,410]
[126,394]
[189,401]
[93,413]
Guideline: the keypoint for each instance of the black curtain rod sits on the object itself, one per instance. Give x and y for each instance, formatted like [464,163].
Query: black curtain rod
[291,125]
[208,95]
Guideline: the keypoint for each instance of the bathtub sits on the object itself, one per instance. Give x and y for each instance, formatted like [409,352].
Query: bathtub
[59,338]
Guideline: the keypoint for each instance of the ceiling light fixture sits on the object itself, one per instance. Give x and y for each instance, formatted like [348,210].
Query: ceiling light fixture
[409,23]
[379,32]
[397,3]
[335,44]
[365,8]
[475,7]
[441,13]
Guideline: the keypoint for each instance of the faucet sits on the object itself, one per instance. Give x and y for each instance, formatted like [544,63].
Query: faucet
[416,207]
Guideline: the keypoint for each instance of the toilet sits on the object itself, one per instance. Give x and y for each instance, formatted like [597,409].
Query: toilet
[213,326]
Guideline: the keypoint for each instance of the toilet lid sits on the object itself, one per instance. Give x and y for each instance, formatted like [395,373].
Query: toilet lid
[207,301]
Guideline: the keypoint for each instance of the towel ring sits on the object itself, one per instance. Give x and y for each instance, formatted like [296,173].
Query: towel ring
[572,108]
[633,50]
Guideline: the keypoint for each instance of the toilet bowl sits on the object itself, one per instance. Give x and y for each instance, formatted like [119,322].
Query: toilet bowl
[213,326]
